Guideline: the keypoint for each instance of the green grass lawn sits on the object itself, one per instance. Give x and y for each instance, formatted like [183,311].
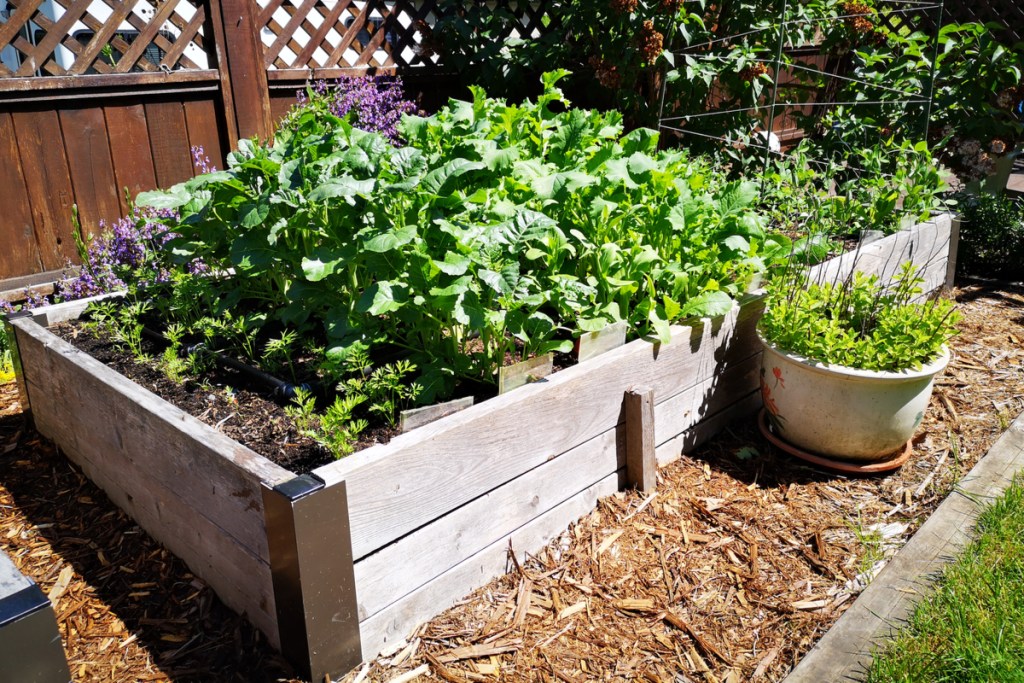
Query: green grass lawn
[972,628]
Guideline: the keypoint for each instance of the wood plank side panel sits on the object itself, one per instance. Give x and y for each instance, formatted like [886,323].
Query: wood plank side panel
[238,575]
[92,171]
[168,140]
[113,420]
[387,575]
[130,150]
[20,255]
[48,183]
[397,488]
[397,620]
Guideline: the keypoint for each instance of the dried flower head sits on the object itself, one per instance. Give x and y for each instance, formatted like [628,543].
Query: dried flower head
[624,6]
[651,42]
[671,6]
[752,71]
[857,17]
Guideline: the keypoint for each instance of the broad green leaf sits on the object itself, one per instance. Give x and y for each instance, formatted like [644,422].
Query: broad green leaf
[380,298]
[391,240]
[164,199]
[342,187]
[707,305]
[438,180]
[254,214]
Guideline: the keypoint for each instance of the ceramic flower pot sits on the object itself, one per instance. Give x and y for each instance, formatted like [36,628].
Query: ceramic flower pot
[841,412]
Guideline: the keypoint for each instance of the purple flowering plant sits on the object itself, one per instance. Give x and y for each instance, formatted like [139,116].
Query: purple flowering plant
[373,103]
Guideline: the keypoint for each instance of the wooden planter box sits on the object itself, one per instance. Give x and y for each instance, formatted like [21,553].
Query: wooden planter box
[334,566]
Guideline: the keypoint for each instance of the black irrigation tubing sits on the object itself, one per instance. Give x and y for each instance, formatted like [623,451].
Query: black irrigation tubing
[279,388]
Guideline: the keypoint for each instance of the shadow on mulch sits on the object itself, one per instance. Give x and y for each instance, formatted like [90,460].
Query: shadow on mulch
[174,624]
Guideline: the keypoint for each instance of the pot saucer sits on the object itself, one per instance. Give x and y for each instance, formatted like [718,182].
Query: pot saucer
[847,467]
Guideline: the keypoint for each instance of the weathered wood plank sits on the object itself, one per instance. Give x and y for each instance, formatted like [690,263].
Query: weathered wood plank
[394,622]
[384,577]
[92,171]
[387,575]
[417,417]
[396,488]
[240,578]
[641,465]
[927,244]
[67,310]
[48,182]
[846,649]
[130,150]
[168,139]
[715,393]
[707,428]
[104,416]
[244,64]
[20,255]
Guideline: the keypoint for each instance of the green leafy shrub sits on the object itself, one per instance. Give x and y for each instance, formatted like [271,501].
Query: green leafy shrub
[991,236]
[858,322]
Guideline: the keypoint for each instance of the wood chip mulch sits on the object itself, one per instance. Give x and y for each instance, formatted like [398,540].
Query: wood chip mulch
[730,572]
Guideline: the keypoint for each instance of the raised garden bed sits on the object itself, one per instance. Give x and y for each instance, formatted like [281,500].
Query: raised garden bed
[334,566]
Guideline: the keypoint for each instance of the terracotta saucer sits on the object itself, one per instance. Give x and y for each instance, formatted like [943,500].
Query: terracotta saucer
[849,467]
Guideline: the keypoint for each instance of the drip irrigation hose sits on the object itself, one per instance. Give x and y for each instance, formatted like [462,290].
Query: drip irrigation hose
[278,387]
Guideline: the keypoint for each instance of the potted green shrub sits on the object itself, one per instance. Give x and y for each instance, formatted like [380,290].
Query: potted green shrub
[848,366]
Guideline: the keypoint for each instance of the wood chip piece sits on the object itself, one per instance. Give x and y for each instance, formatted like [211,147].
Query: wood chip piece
[61,585]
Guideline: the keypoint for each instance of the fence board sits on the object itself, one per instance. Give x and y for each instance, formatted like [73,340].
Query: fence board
[92,171]
[168,139]
[204,131]
[20,252]
[129,150]
[48,184]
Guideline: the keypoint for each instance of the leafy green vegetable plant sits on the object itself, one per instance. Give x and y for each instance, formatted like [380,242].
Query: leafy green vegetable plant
[499,232]
[859,322]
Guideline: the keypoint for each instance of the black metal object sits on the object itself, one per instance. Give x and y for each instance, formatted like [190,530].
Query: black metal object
[313,574]
[19,372]
[30,646]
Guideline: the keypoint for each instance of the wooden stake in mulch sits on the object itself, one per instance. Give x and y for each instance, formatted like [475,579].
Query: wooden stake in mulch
[641,463]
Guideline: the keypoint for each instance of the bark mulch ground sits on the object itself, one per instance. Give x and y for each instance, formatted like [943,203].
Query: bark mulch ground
[730,572]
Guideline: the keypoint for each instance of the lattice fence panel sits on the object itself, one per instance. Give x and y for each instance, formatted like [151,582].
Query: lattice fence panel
[1009,14]
[354,34]
[76,37]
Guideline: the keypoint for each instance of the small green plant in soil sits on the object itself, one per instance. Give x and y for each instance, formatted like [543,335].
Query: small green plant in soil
[859,322]
[972,627]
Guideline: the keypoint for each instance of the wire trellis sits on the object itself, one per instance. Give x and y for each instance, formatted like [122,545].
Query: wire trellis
[760,140]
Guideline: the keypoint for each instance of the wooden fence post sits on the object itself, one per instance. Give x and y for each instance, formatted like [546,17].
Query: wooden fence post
[314,576]
[242,57]
[641,462]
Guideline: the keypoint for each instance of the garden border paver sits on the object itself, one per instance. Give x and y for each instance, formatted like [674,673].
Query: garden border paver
[845,651]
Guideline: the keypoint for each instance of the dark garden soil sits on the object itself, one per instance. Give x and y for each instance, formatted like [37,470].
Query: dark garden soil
[730,572]
[226,400]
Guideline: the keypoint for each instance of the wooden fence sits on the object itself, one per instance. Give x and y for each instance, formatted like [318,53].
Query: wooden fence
[102,96]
